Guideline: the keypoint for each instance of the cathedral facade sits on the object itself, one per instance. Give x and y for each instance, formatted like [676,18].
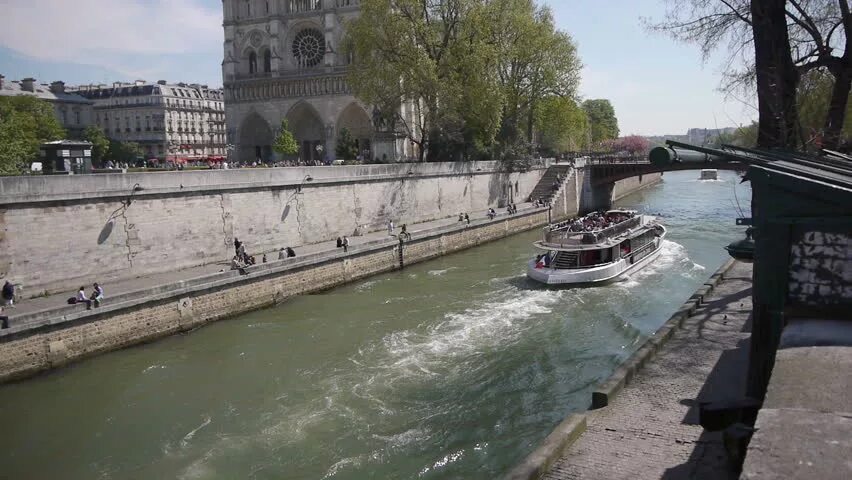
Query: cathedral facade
[283,61]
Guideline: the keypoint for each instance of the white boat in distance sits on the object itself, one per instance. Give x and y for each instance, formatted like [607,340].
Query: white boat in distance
[597,248]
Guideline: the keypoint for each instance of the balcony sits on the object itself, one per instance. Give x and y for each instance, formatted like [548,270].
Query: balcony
[290,74]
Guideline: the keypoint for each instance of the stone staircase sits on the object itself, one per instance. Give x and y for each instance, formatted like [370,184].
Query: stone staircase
[544,189]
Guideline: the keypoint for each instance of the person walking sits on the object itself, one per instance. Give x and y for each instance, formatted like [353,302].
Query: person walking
[467,218]
[9,294]
[345,244]
[390,227]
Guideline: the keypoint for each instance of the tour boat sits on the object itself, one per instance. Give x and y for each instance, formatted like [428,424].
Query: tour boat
[597,248]
[709,174]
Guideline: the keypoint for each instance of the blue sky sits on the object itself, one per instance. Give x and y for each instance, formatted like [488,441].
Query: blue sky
[656,86]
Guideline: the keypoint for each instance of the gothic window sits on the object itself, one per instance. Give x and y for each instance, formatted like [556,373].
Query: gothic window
[309,48]
[252,62]
[267,61]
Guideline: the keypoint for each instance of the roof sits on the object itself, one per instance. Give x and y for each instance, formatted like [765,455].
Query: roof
[14,88]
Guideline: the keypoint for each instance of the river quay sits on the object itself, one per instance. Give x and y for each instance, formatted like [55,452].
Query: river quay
[648,426]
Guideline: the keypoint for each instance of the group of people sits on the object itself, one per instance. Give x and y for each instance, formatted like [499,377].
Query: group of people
[95,298]
[464,217]
[539,202]
[343,243]
[596,221]
[242,259]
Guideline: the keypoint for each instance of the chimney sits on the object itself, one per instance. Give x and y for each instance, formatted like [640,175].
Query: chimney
[28,84]
[161,82]
[57,87]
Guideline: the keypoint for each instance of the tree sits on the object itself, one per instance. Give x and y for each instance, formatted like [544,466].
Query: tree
[346,148]
[814,99]
[602,122]
[25,123]
[470,75]
[100,143]
[562,125]
[633,144]
[125,152]
[285,143]
[817,34]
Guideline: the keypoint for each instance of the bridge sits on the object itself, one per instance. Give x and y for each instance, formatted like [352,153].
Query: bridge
[602,171]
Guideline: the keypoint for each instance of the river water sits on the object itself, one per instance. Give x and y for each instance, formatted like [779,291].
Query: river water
[451,369]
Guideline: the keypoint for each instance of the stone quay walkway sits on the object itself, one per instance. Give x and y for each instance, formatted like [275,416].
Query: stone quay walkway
[114,286]
[650,430]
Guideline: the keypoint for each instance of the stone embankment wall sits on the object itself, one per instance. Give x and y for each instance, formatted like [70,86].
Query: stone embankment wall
[168,310]
[625,187]
[58,231]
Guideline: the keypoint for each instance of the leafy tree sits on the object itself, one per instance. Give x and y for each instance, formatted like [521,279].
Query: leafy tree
[470,75]
[602,122]
[285,143]
[562,125]
[778,42]
[633,144]
[126,152]
[813,100]
[100,143]
[25,123]
[346,148]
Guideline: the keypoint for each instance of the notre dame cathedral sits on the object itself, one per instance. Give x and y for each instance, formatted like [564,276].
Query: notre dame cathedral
[282,60]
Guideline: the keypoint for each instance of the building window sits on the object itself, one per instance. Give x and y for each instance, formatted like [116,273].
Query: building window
[309,47]
[77,118]
[267,61]
[252,62]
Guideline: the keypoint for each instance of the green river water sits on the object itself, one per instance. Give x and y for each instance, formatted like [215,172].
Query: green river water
[451,369]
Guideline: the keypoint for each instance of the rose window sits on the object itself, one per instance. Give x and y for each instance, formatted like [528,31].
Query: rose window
[308,48]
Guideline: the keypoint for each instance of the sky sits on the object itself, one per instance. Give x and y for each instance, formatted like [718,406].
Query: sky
[656,85]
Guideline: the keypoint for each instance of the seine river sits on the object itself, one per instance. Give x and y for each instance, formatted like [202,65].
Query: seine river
[451,369]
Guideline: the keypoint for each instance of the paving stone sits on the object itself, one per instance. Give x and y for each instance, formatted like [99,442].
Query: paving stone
[650,430]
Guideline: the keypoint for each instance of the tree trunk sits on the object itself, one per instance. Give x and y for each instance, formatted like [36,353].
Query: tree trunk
[777,78]
[842,72]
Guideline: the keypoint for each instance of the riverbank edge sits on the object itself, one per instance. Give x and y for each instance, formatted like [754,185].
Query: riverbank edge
[186,305]
[537,463]
[656,180]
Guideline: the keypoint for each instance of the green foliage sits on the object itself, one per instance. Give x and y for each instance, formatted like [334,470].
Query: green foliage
[126,152]
[100,144]
[471,71]
[25,123]
[813,99]
[346,148]
[742,137]
[285,143]
[562,125]
[602,121]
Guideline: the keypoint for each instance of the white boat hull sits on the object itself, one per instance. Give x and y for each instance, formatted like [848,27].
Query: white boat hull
[591,276]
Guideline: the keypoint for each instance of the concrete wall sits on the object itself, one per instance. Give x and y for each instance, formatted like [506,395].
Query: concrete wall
[625,187]
[114,326]
[61,230]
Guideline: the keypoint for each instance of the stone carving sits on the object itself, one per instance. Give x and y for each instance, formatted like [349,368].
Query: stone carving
[256,39]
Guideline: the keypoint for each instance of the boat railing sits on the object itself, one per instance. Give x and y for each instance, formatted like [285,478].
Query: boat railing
[565,237]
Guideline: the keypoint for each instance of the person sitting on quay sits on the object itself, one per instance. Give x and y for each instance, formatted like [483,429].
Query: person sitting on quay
[339,242]
[282,254]
[9,294]
[97,296]
[81,298]
[237,263]
[403,233]
[264,258]
[491,214]
[461,217]
[467,218]
[290,252]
